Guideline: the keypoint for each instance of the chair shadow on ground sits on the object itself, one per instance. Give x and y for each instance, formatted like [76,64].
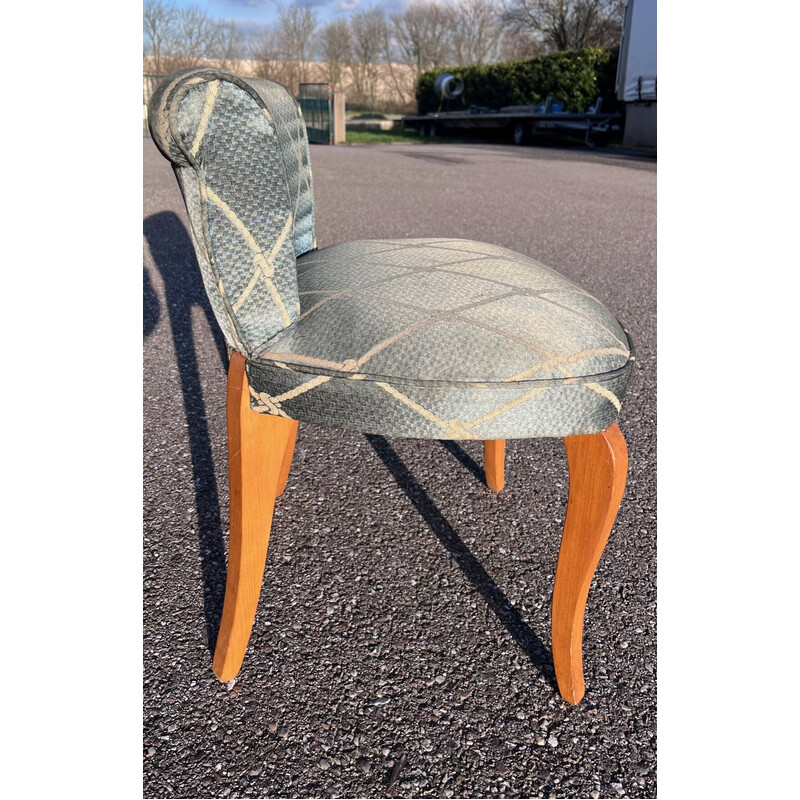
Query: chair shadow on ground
[173,254]
[465,458]
[496,600]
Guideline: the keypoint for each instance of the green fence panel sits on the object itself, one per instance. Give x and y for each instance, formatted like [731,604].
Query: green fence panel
[315,102]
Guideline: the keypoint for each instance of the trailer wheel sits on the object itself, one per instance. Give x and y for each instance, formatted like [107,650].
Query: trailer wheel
[521,133]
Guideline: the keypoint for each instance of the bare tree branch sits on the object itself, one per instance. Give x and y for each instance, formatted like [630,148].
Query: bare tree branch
[266,54]
[295,29]
[196,36]
[475,31]
[335,49]
[231,45]
[366,28]
[159,20]
[567,24]
[422,33]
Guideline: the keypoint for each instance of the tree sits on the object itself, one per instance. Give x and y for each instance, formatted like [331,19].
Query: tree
[517,45]
[230,45]
[295,29]
[266,54]
[422,34]
[196,37]
[568,24]
[335,49]
[367,30]
[159,21]
[403,83]
[475,31]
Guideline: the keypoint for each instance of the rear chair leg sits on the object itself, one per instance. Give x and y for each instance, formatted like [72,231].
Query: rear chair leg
[598,464]
[258,450]
[494,463]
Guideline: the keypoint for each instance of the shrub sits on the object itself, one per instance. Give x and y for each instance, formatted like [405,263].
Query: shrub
[575,78]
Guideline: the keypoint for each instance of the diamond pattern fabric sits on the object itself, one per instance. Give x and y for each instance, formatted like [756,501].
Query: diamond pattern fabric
[240,153]
[430,338]
[445,339]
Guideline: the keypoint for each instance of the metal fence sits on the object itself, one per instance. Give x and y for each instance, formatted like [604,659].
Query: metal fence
[316,100]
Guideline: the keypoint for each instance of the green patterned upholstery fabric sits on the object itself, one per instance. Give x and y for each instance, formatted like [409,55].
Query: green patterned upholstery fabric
[240,153]
[428,338]
[443,339]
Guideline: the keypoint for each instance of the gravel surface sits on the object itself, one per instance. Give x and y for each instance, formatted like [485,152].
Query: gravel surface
[402,642]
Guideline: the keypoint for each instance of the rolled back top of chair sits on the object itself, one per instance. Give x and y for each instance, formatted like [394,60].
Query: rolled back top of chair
[239,149]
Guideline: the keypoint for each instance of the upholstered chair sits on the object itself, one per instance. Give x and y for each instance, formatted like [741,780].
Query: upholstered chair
[420,338]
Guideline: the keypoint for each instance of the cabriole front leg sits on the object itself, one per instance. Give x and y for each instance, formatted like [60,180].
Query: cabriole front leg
[598,464]
[258,452]
[287,458]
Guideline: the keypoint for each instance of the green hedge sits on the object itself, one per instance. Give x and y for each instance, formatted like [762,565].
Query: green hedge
[575,78]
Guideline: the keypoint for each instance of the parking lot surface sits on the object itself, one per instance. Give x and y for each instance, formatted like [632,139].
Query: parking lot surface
[402,642]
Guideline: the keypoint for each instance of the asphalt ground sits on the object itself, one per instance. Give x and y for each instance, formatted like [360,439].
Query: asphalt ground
[402,642]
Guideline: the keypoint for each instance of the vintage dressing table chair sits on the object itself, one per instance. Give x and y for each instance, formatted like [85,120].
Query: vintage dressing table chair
[421,338]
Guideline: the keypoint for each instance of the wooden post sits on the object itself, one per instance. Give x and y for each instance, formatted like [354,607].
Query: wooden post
[339,122]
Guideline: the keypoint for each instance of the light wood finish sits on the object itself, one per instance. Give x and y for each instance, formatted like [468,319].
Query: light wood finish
[339,118]
[257,445]
[494,463]
[287,459]
[598,464]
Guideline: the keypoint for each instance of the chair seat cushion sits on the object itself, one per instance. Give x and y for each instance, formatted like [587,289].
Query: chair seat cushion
[444,339]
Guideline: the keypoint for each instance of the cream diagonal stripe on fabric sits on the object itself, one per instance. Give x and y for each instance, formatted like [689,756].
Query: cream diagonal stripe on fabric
[264,267]
[554,361]
[597,351]
[236,222]
[273,290]
[208,107]
[507,407]
[310,361]
[455,427]
[302,389]
[242,228]
[559,362]
[433,318]
[387,387]
[603,392]
[460,430]
[391,340]
[266,400]
[274,403]
[577,313]
[334,294]
[524,342]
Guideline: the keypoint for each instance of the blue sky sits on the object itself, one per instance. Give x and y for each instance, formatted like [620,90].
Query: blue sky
[263,11]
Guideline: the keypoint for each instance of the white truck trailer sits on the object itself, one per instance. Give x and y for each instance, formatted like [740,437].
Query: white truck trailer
[636,73]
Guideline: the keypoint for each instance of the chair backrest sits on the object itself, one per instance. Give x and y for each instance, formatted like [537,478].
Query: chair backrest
[239,149]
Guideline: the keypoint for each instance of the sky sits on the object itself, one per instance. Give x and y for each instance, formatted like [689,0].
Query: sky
[261,12]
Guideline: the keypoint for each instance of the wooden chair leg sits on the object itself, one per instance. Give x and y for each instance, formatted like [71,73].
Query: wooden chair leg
[598,464]
[494,463]
[287,459]
[257,445]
